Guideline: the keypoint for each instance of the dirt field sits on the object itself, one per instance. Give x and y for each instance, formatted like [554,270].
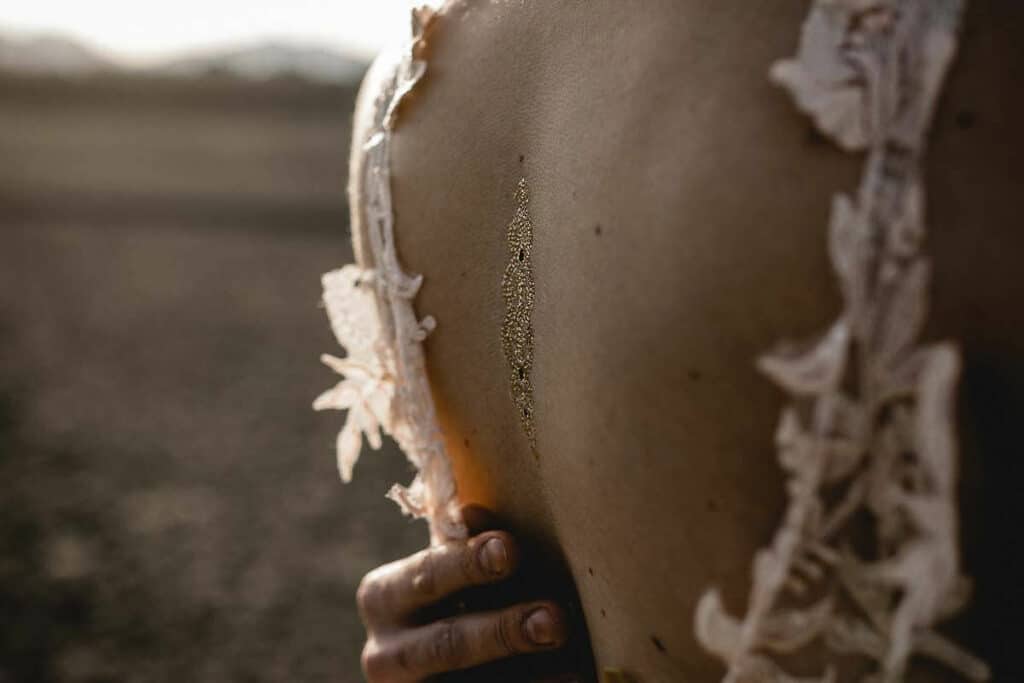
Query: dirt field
[169,505]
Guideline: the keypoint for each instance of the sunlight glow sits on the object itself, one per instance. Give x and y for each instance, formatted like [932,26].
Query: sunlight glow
[139,33]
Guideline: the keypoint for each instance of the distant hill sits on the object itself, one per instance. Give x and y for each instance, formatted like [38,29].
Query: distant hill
[49,55]
[270,60]
[55,55]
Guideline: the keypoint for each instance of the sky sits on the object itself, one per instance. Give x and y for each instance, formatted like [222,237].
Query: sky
[142,32]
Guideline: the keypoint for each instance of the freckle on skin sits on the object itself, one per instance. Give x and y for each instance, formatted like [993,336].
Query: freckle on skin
[597,230]
[658,644]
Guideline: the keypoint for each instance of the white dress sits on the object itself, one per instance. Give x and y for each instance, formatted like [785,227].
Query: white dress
[880,429]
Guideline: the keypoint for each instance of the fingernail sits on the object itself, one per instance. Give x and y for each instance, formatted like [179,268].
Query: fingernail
[541,627]
[494,557]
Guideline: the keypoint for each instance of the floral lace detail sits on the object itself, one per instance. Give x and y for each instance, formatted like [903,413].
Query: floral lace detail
[869,430]
[369,386]
[370,307]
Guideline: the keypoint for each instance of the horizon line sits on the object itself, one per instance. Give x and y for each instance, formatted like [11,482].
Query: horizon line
[128,60]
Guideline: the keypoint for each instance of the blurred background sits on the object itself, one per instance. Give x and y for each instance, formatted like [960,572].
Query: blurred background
[171,187]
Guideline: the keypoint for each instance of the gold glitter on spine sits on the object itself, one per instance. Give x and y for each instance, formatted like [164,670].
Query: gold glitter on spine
[518,291]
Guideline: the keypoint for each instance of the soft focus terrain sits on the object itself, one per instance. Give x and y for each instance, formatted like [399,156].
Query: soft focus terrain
[169,505]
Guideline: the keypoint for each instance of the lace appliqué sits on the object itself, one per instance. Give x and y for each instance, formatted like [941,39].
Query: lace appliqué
[870,425]
[371,311]
[518,292]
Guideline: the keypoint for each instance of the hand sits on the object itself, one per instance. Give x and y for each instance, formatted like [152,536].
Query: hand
[399,649]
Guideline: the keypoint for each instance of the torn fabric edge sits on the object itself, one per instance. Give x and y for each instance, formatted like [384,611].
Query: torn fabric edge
[370,306]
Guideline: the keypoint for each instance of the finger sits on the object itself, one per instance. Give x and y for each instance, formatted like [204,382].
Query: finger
[465,642]
[390,593]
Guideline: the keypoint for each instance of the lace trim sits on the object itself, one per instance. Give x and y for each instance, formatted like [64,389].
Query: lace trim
[871,413]
[385,381]
[870,425]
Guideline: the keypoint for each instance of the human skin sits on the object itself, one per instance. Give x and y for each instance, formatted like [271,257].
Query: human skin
[404,646]
[679,204]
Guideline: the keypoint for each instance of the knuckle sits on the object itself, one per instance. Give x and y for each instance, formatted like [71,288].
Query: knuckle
[470,569]
[367,595]
[373,661]
[448,646]
[373,596]
[424,573]
[505,630]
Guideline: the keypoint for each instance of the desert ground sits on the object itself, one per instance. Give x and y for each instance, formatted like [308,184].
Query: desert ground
[170,508]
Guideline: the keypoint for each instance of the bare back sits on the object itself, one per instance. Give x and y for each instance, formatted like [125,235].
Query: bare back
[678,206]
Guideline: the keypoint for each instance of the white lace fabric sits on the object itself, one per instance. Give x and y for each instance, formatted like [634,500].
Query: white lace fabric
[871,411]
[869,428]
[370,306]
